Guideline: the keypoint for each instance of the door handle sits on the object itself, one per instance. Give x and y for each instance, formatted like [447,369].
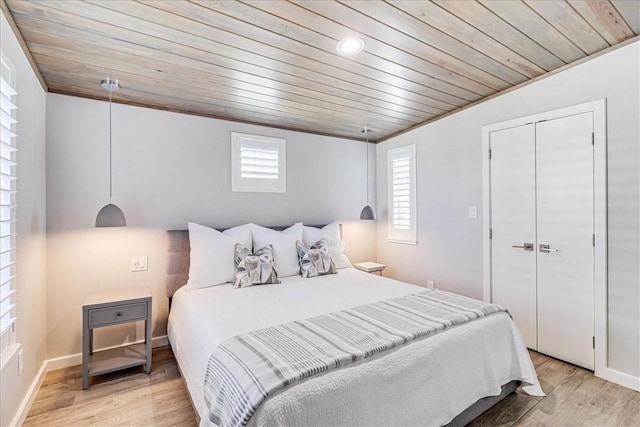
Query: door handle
[547,249]
[525,246]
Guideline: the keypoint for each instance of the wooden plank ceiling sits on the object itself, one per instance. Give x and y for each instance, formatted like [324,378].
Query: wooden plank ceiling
[275,62]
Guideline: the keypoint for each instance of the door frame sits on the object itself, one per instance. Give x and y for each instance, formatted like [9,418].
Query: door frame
[598,108]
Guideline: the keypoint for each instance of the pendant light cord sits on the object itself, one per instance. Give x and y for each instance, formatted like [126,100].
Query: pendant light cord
[110,154]
[366,133]
[367,147]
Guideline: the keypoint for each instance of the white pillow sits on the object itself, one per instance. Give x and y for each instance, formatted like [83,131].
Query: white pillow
[331,232]
[285,252]
[212,254]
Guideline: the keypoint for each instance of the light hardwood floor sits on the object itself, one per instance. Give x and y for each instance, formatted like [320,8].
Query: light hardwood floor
[575,397]
[126,398]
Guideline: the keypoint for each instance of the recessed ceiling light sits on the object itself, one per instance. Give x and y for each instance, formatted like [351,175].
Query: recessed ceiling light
[350,46]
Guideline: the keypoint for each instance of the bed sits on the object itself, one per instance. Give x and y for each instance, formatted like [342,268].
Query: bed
[448,378]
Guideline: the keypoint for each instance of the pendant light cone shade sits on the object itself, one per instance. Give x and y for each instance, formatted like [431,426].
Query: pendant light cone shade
[367,213]
[110,215]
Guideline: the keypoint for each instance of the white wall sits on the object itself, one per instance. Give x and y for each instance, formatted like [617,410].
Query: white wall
[31,228]
[449,181]
[168,169]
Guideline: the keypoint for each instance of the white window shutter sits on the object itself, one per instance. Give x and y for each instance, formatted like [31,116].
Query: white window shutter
[259,159]
[258,163]
[402,194]
[8,109]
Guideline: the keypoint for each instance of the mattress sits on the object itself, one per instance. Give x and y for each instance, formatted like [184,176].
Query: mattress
[427,382]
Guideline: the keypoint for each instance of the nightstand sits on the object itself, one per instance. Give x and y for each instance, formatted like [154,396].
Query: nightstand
[114,308]
[370,267]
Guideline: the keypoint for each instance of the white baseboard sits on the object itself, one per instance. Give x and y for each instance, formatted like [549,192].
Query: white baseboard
[161,341]
[25,406]
[59,363]
[620,378]
[63,362]
[76,359]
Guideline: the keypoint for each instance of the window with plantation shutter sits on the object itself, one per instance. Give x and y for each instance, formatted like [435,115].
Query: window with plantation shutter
[258,163]
[402,194]
[8,135]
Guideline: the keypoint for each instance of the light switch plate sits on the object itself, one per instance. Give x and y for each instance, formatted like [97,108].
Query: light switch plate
[473,212]
[139,263]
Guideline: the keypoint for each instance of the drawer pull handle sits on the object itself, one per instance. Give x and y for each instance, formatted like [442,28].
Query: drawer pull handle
[118,314]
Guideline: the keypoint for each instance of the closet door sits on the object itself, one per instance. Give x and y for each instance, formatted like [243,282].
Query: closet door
[565,224]
[513,226]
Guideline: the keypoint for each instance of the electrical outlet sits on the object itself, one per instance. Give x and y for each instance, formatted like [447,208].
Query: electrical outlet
[431,284]
[139,263]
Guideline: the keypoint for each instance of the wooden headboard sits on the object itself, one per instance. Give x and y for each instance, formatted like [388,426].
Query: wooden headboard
[178,257]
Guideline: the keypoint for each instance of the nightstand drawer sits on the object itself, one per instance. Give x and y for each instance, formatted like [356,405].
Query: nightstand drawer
[117,314]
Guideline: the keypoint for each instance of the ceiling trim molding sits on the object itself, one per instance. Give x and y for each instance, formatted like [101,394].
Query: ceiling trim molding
[519,86]
[12,24]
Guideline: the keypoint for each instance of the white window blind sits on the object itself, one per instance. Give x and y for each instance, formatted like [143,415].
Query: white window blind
[258,163]
[8,135]
[402,194]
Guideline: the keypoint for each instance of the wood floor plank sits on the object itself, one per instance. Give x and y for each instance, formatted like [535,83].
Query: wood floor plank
[510,410]
[128,397]
[553,372]
[581,398]
[575,397]
[528,421]
[52,403]
[538,358]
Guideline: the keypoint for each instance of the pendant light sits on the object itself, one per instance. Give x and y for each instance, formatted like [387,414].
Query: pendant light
[110,215]
[367,212]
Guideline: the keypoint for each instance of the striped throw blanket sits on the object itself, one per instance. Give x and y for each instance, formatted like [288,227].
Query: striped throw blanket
[245,370]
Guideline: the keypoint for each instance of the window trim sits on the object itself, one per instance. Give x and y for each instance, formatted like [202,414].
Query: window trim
[257,185]
[407,237]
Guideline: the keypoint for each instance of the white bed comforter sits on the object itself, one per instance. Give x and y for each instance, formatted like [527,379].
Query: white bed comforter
[427,382]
